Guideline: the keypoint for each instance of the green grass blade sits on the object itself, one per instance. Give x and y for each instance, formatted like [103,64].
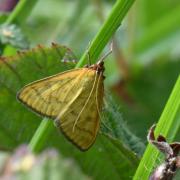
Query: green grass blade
[21,11]
[39,138]
[168,125]
[107,31]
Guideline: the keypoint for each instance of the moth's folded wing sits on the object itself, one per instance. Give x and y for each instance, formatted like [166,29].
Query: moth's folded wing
[83,132]
[46,96]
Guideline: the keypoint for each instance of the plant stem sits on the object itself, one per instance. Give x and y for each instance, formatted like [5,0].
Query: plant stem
[41,135]
[168,126]
[108,29]
[19,14]
[21,11]
[112,23]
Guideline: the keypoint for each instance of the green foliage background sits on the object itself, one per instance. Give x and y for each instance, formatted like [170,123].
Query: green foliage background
[148,41]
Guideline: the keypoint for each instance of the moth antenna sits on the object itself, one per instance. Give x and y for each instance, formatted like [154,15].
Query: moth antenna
[85,103]
[88,57]
[88,54]
[107,54]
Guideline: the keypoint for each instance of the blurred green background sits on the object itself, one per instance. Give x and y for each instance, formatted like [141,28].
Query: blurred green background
[141,72]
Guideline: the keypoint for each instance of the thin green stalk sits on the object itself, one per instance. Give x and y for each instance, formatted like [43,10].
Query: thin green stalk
[19,15]
[112,23]
[21,11]
[168,125]
[108,29]
[41,134]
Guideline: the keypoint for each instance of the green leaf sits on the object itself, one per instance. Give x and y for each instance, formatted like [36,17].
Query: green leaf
[114,125]
[19,124]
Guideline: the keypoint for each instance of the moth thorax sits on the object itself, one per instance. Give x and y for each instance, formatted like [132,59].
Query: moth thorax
[99,67]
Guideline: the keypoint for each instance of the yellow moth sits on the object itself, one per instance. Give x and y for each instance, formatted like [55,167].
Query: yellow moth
[73,99]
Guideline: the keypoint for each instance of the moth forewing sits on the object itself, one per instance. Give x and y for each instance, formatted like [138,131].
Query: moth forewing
[73,99]
[81,121]
[48,93]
